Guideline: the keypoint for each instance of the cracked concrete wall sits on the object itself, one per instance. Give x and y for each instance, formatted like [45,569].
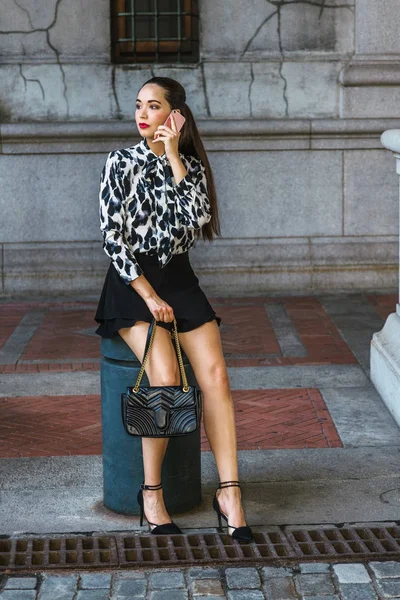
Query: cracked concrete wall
[54,59]
[324,75]
[371,80]
[279,58]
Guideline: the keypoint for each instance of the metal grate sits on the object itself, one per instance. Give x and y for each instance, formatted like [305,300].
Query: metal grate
[199,548]
[56,552]
[361,541]
[155,31]
[126,550]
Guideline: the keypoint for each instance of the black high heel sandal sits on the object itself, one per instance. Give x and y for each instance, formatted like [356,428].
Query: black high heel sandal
[243,533]
[165,528]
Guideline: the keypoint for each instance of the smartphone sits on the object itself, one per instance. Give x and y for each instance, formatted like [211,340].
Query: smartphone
[178,118]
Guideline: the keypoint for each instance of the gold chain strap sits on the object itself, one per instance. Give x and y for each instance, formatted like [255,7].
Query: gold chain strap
[181,366]
[178,349]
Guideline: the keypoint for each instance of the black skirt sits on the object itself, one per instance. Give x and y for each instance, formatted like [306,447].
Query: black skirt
[120,305]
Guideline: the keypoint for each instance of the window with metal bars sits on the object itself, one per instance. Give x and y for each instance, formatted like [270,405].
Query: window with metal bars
[147,31]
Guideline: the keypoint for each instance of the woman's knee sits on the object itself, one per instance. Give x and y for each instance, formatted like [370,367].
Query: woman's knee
[164,376]
[216,376]
[162,365]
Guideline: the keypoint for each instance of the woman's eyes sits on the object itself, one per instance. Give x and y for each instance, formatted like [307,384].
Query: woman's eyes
[151,106]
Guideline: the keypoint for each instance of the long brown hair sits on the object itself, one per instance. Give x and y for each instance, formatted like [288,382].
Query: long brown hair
[190,143]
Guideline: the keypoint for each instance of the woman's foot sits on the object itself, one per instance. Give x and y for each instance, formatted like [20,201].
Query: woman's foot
[229,500]
[154,507]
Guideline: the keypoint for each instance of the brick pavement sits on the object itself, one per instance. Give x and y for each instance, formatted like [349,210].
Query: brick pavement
[71,425]
[58,336]
[65,338]
[373,580]
[261,331]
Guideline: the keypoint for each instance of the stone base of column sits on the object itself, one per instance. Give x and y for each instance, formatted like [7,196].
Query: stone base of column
[385,363]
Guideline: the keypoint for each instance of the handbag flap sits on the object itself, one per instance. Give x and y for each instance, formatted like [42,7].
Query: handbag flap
[172,396]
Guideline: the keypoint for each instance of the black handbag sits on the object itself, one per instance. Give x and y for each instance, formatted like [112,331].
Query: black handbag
[161,411]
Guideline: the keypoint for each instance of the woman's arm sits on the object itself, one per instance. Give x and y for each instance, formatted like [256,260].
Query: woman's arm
[191,202]
[112,221]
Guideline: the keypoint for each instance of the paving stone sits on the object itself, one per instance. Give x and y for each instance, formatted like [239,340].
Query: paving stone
[315,583]
[99,594]
[18,595]
[59,596]
[335,597]
[207,587]
[60,587]
[276,571]
[204,574]
[169,595]
[126,574]
[167,580]
[280,588]
[391,568]
[209,597]
[357,591]
[130,588]
[245,595]
[390,587]
[95,580]
[20,583]
[314,567]
[242,578]
[351,573]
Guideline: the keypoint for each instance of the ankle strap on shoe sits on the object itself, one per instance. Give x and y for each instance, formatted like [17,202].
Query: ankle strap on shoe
[150,487]
[224,484]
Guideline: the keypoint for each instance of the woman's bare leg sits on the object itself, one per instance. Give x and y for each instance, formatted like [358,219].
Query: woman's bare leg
[162,369]
[204,350]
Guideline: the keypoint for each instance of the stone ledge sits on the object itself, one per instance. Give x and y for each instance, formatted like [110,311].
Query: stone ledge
[220,135]
[370,73]
[239,266]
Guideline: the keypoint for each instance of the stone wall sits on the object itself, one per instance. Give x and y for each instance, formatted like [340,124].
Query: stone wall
[290,97]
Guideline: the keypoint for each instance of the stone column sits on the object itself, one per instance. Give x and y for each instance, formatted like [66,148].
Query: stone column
[385,344]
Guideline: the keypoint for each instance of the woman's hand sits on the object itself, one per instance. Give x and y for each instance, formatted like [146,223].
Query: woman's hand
[160,309]
[170,137]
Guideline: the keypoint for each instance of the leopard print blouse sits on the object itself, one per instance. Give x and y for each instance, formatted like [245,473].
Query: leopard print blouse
[142,209]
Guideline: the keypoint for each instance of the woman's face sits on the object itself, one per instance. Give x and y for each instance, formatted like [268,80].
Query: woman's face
[151,109]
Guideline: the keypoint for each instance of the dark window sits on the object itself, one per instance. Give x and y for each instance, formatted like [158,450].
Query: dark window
[147,31]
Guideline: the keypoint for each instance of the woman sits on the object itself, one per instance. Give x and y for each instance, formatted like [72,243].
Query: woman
[156,198]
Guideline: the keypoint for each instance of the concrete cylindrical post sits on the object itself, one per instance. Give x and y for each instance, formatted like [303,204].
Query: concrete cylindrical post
[122,453]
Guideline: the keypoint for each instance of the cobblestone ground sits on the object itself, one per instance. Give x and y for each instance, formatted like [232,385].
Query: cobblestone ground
[305,581]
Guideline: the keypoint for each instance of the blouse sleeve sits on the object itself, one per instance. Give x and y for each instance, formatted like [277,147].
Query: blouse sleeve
[112,221]
[192,204]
